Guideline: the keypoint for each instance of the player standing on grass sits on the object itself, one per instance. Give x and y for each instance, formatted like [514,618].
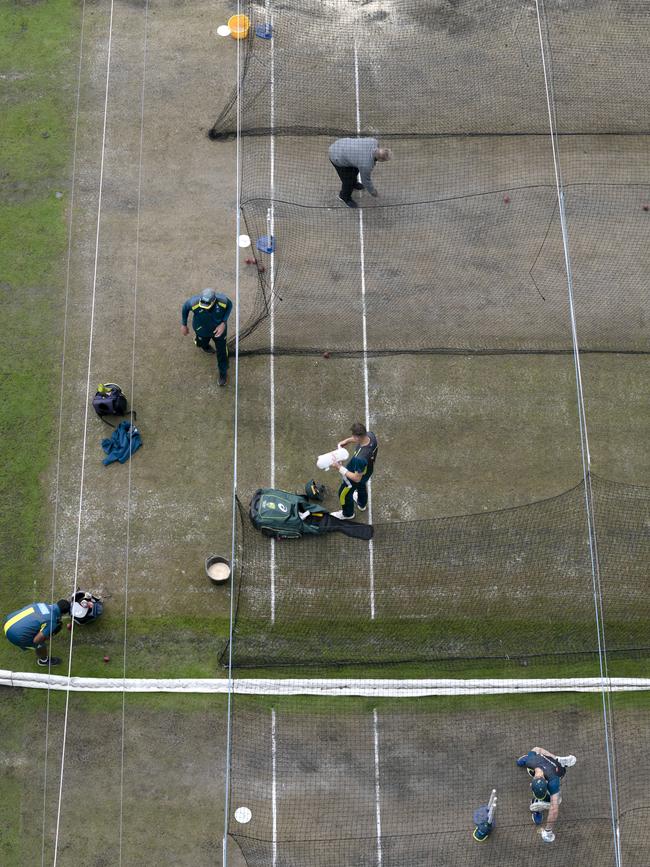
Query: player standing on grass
[547,771]
[356,473]
[210,311]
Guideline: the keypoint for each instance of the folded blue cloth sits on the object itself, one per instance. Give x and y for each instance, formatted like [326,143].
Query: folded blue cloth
[122,444]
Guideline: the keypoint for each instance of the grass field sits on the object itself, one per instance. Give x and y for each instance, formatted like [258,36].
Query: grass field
[147,203]
[39,47]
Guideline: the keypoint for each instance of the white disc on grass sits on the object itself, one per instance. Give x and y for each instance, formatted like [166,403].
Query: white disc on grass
[244,241]
[223,30]
[243,815]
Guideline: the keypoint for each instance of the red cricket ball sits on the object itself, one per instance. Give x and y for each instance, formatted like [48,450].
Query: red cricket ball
[326,355]
[107,659]
[506,200]
[261,268]
[646,207]
[249,261]
[69,627]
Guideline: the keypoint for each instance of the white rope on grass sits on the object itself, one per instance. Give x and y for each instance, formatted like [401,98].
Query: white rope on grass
[85,432]
[269,23]
[234,510]
[130,464]
[584,440]
[57,474]
[327,687]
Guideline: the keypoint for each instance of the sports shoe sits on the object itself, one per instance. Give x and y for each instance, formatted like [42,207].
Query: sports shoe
[566,761]
[349,202]
[341,516]
[223,379]
[358,186]
[50,660]
[355,497]
[209,349]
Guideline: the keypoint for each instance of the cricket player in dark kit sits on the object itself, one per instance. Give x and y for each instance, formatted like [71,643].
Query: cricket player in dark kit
[547,771]
[357,472]
[210,311]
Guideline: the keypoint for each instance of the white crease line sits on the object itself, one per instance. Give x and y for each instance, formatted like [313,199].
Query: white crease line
[366,383]
[274,789]
[375,726]
[269,20]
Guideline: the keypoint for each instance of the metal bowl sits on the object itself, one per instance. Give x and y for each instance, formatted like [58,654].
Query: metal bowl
[217,569]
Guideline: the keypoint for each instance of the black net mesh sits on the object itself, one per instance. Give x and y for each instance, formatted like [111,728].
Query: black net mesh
[461,252]
[464,242]
[469,274]
[341,782]
[510,584]
[440,67]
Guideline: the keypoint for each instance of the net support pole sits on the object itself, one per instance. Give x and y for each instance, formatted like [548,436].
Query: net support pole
[584,434]
[233,540]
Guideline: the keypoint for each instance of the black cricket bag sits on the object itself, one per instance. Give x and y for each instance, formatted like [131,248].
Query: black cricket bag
[109,399]
[85,607]
[282,515]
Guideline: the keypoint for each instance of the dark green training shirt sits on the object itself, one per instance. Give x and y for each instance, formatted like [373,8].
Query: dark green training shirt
[205,321]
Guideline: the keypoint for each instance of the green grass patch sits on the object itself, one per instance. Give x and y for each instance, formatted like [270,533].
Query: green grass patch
[472,668]
[39,49]
[156,647]
[14,716]
[461,647]
[543,704]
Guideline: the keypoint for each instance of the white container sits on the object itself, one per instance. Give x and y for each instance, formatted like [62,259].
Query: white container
[325,461]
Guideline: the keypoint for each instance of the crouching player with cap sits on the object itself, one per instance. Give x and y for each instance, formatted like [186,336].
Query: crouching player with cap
[31,627]
[547,771]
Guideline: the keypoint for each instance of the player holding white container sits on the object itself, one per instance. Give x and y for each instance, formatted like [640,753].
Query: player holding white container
[357,472]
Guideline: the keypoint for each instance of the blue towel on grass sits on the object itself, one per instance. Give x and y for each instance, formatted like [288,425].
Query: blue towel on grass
[122,444]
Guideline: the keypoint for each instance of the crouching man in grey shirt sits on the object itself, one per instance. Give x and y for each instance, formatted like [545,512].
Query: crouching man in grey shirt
[356,156]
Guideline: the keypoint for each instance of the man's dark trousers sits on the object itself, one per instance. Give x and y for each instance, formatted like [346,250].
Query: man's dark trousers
[221,344]
[362,490]
[348,175]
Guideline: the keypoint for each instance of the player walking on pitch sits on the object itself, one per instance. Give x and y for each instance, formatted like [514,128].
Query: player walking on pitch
[210,311]
[547,771]
[357,472]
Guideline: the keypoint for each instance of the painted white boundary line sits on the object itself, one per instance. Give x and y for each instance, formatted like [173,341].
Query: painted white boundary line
[372,688]
[364,318]
[274,789]
[375,729]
